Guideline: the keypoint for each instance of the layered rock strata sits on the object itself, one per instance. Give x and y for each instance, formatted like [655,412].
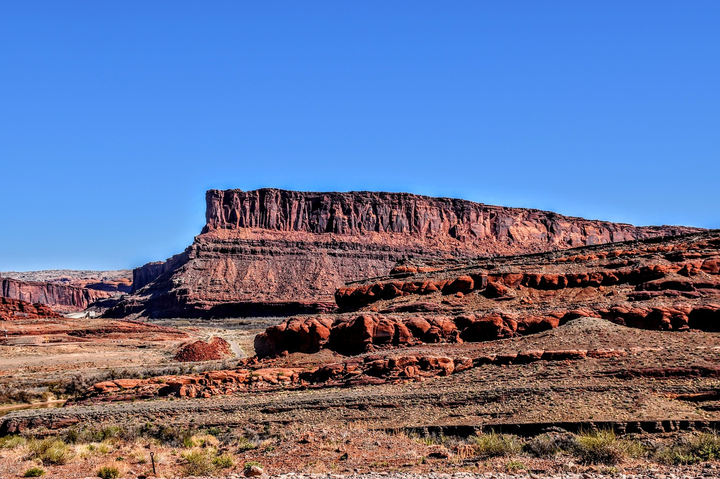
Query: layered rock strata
[663,284]
[272,251]
[116,281]
[62,298]
[369,370]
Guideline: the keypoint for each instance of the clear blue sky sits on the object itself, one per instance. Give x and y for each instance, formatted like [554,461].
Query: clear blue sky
[115,117]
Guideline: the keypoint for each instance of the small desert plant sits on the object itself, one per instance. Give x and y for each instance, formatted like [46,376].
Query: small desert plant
[198,462]
[201,440]
[12,442]
[514,466]
[550,444]
[34,472]
[603,447]
[108,472]
[704,447]
[50,451]
[492,445]
[223,462]
[245,444]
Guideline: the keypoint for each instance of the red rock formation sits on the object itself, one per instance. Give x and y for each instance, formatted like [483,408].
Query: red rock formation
[216,348]
[15,309]
[666,286]
[60,297]
[117,281]
[272,251]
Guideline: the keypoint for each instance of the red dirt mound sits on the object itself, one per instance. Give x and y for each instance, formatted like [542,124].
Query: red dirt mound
[216,348]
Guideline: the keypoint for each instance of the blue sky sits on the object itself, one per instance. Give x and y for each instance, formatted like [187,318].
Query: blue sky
[115,117]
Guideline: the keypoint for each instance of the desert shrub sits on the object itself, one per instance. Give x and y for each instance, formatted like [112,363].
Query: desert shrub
[167,435]
[93,434]
[492,445]
[604,447]
[223,462]
[549,444]
[704,447]
[50,451]
[198,462]
[108,472]
[12,442]
[245,444]
[514,466]
[201,440]
[34,472]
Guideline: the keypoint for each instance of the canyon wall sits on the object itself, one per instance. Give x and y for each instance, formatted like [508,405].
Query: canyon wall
[273,251]
[60,297]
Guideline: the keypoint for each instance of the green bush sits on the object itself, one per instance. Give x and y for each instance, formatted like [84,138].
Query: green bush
[34,472]
[493,445]
[514,466]
[224,462]
[603,447]
[51,451]
[244,444]
[12,442]
[108,472]
[705,447]
[198,463]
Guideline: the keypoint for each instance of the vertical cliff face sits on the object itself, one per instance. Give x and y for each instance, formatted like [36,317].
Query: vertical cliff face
[437,221]
[60,297]
[276,251]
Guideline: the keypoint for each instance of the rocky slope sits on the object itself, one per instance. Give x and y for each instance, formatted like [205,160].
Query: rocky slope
[272,251]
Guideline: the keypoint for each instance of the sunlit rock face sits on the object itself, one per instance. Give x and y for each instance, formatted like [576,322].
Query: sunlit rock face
[271,251]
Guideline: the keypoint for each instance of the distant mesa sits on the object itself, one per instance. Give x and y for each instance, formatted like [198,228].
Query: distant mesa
[279,252]
[64,290]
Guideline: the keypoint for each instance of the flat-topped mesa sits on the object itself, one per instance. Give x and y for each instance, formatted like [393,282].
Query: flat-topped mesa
[453,222]
[273,251]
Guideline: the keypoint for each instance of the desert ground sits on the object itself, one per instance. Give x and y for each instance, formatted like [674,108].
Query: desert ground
[597,362]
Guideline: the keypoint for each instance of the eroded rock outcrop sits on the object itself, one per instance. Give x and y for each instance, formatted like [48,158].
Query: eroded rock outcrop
[668,284]
[272,251]
[13,309]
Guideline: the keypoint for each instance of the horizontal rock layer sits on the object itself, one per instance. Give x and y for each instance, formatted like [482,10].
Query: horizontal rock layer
[273,251]
[60,297]
[664,284]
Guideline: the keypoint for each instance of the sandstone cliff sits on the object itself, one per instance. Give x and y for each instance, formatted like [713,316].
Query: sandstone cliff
[115,281]
[273,251]
[60,297]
